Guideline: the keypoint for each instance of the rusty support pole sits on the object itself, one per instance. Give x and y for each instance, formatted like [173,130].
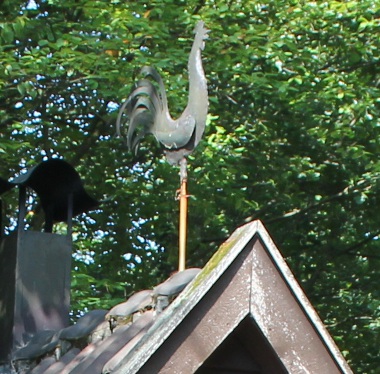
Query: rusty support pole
[183,215]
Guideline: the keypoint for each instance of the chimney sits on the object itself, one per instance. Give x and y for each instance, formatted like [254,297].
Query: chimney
[35,266]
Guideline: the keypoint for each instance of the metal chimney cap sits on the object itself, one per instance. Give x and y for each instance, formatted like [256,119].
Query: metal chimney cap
[53,181]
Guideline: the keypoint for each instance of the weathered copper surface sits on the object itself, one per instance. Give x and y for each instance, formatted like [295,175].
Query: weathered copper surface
[147,111]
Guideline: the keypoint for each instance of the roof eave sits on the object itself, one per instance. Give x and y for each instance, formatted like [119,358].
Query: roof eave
[256,289]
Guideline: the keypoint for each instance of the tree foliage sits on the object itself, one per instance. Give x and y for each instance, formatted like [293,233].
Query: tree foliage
[292,139]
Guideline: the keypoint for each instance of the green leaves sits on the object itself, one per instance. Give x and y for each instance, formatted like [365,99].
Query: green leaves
[292,139]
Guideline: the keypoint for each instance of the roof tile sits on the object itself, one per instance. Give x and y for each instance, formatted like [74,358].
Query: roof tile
[105,336]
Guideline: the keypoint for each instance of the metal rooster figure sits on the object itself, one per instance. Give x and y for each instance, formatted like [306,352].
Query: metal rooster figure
[146,112]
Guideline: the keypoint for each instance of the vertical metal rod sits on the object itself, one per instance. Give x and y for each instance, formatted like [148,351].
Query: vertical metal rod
[1,218]
[22,208]
[183,215]
[70,208]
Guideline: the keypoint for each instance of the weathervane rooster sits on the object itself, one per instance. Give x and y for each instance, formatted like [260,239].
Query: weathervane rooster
[146,112]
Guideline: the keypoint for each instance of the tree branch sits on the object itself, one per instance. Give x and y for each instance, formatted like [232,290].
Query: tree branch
[363,184]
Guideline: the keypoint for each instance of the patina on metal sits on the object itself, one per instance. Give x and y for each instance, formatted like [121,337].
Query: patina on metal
[146,112]
[35,266]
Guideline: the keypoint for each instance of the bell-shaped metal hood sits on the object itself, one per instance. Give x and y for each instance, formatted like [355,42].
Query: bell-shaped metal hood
[54,181]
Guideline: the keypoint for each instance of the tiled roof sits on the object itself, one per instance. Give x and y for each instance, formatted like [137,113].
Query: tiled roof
[99,339]
[244,312]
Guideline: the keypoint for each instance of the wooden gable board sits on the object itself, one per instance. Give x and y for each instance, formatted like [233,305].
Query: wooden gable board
[246,301]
